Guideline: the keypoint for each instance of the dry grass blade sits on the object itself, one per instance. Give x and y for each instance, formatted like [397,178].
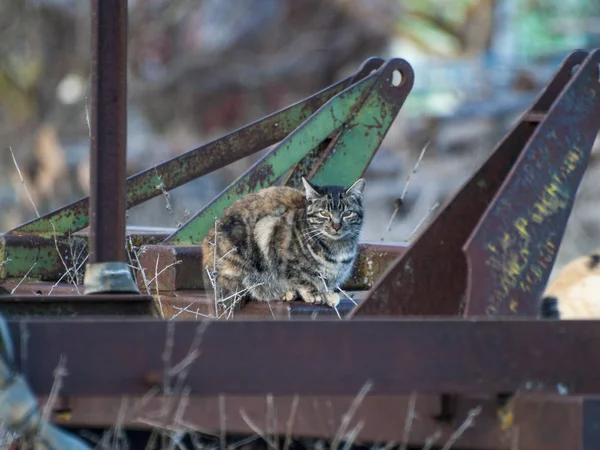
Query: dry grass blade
[346,295]
[410,416]
[23,182]
[254,427]
[515,438]
[400,200]
[463,427]
[23,279]
[431,440]
[290,423]
[423,220]
[272,422]
[349,415]
[62,260]
[352,435]
[222,422]
[59,373]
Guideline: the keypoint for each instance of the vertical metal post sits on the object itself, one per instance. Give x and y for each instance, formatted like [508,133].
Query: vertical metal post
[107,270]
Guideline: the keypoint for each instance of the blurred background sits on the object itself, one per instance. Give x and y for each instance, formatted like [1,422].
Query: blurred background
[199,69]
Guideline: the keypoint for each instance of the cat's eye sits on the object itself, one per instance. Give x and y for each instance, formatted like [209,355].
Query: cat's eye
[324,214]
[348,214]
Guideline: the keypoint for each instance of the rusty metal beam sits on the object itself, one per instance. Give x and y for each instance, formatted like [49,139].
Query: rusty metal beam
[177,265]
[431,276]
[108,123]
[77,305]
[330,357]
[519,236]
[540,422]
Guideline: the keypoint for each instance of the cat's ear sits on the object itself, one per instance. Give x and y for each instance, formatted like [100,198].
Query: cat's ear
[357,188]
[310,191]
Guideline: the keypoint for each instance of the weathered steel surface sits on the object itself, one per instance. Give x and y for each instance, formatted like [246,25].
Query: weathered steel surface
[178,265]
[275,163]
[192,164]
[108,131]
[591,423]
[430,278]
[47,258]
[511,252]
[330,357]
[377,114]
[548,423]
[315,157]
[77,305]
[368,126]
[195,305]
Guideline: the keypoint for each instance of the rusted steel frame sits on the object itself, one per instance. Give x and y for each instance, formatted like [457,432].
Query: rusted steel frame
[77,305]
[430,277]
[48,258]
[461,356]
[108,124]
[193,164]
[275,163]
[521,231]
[544,423]
[177,265]
[194,305]
[365,119]
[317,156]
[591,423]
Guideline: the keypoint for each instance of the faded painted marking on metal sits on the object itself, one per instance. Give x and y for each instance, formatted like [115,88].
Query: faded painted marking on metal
[518,239]
[279,160]
[431,277]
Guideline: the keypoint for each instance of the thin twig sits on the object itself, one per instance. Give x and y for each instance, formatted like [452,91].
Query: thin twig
[222,422]
[23,182]
[410,416]
[422,221]
[400,201]
[61,257]
[59,373]
[290,423]
[432,440]
[463,427]
[347,417]
[346,295]
[254,427]
[23,279]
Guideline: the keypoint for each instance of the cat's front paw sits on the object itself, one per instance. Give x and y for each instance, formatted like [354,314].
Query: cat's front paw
[288,296]
[332,299]
[310,297]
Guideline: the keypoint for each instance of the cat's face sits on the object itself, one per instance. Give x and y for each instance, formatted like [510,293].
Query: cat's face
[335,211]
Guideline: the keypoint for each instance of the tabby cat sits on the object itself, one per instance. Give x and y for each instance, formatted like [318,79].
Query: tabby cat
[282,243]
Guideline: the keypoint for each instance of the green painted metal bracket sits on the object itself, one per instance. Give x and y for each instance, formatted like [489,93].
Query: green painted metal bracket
[321,152]
[194,163]
[363,113]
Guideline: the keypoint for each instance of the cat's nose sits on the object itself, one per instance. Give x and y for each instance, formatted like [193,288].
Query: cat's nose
[337,226]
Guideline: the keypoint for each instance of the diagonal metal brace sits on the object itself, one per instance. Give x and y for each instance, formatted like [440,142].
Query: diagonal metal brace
[336,113]
[513,249]
[431,276]
[192,164]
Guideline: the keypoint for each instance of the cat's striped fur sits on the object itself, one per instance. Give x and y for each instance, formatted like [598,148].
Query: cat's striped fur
[282,243]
